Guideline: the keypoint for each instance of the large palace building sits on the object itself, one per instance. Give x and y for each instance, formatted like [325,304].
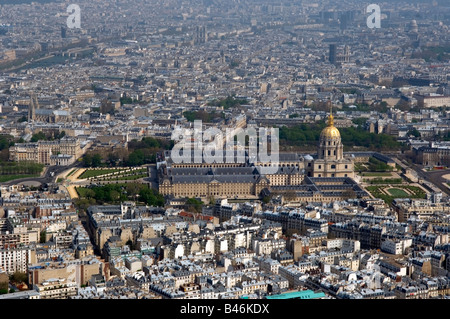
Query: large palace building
[60,152]
[324,177]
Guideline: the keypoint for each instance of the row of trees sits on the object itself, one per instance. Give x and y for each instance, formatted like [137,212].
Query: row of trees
[13,168]
[139,153]
[437,54]
[305,135]
[41,136]
[378,166]
[115,193]
[204,116]
[301,135]
[92,160]
[228,102]
[144,151]
[6,141]
[17,277]
[359,137]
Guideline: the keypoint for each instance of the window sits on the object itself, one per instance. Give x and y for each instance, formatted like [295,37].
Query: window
[333,166]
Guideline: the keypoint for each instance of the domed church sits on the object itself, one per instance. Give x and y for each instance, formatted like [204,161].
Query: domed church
[324,177]
[330,161]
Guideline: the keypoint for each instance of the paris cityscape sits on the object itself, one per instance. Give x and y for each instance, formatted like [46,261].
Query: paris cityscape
[224,150]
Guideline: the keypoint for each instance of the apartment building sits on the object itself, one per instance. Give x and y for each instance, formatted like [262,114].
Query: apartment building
[16,259]
[56,289]
[77,271]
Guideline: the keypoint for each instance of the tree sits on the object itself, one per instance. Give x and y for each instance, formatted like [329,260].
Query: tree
[403,105]
[107,107]
[84,203]
[96,160]
[151,197]
[193,205]
[22,119]
[19,276]
[413,132]
[89,193]
[360,121]
[87,160]
[349,194]
[289,195]
[113,159]
[133,189]
[43,236]
[126,100]
[115,195]
[59,136]
[136,158]
[40,136]
[3,287]
[129,243]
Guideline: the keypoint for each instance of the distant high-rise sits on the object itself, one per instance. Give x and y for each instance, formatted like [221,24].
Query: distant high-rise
[346,57]
[342,57]
[63,32]
[332,54]
[200,35]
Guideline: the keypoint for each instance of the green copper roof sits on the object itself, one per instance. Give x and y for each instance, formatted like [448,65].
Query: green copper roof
[305,294]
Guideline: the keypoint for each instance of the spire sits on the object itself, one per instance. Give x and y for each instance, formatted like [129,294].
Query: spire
[31,108]
[330,117]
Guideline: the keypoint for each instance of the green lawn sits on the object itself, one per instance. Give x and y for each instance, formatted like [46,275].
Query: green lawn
[129,177]
[72,171]
[96,172]
[142,172]
[380,180]
[396,192]
[81,191]
[376,174]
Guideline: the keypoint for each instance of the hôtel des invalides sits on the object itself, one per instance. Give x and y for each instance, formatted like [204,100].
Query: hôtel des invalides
[324,177]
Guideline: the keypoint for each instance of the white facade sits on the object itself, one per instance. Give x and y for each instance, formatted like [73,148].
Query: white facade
[396,247]
[133,264]
[12,260]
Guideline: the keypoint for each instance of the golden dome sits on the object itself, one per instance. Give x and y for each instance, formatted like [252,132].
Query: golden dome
[330,132]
